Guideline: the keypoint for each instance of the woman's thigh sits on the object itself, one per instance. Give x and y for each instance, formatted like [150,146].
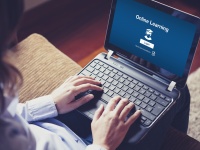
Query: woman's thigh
[78,123]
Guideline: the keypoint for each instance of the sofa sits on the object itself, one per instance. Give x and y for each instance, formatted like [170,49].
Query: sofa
[44,68]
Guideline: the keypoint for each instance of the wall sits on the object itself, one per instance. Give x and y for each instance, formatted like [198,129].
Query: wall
[29,4]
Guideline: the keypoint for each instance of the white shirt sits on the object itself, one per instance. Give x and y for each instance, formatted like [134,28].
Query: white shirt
[49,133]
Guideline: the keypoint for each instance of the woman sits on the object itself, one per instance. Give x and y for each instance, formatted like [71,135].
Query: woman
[33,126]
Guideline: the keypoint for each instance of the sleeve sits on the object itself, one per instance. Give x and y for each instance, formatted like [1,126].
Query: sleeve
[38,109]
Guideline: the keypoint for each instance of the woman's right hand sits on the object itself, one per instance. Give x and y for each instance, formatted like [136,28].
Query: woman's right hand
[110,126]
[64,95]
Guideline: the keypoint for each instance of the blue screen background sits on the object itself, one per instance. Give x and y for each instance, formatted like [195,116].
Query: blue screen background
[171,48]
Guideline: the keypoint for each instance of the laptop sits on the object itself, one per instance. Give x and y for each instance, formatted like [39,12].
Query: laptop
[150,51]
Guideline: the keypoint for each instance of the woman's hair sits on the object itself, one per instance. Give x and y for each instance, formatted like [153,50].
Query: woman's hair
[10,15]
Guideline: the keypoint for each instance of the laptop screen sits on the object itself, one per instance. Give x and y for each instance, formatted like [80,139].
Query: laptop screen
[162,39]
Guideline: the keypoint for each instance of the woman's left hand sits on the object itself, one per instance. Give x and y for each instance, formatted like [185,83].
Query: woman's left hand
[64,96]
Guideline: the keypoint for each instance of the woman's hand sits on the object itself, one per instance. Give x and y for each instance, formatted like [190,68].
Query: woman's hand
[64,96]
[110,126]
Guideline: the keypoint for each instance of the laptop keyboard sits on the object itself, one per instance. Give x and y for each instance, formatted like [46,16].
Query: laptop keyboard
[114,82]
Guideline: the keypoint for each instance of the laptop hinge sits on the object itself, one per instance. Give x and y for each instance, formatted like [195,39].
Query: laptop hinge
[171,86]
[109,54]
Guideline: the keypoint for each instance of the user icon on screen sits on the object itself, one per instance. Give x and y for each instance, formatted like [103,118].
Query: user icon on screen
[148,34]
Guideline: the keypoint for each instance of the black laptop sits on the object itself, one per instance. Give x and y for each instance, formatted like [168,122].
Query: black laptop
[150,51]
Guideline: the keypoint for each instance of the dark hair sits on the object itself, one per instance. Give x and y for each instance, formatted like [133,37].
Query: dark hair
[10,15]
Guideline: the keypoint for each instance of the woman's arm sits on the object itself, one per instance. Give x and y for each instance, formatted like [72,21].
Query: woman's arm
[37,109]
[61,100]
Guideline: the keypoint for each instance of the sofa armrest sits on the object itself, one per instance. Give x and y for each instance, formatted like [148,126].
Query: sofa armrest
[44,68]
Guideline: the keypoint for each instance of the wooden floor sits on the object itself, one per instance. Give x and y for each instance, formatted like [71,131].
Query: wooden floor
[78,27]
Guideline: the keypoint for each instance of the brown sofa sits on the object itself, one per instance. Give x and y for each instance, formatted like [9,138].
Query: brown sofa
[44,68]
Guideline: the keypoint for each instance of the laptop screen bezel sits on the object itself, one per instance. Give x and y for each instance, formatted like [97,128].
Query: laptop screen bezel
[180,81]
